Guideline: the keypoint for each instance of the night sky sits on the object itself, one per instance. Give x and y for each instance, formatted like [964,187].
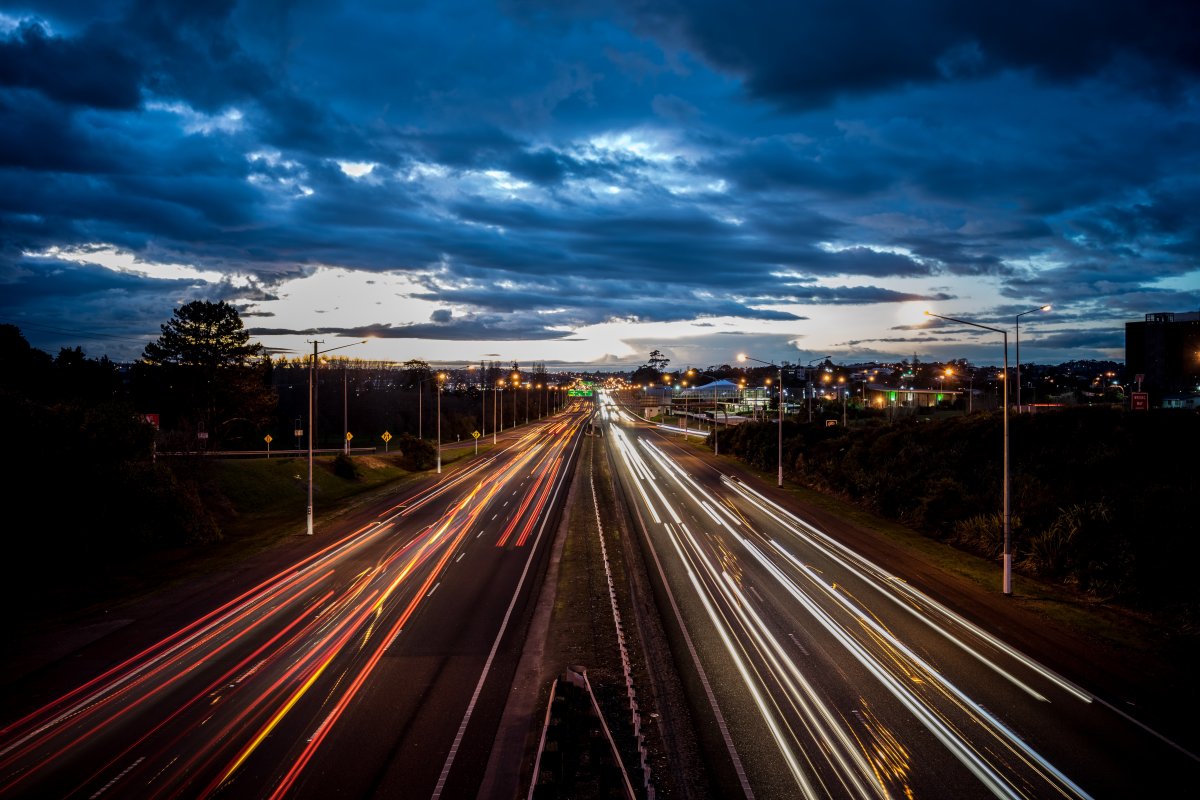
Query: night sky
[583,182]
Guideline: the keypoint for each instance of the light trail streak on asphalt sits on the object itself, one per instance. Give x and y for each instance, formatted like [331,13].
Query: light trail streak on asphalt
[835,738]
[881,580]
[241,701]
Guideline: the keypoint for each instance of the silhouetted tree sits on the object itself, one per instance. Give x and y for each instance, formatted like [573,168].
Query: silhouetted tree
[205,371]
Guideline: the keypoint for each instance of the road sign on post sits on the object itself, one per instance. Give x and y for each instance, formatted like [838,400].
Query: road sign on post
[1139,401]
[476,434]
[387,437]
[267,439]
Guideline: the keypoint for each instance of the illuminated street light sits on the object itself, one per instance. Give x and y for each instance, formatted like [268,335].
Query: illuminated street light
[441,376]
[312,388]
[808,382]
[716,439]
[683,391]
[779,446]
[516,385]
[1007,580]
[497,395]
[1023,313]
[842,388]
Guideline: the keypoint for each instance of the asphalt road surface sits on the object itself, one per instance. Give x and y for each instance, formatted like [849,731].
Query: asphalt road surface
[819,674]
[377,666]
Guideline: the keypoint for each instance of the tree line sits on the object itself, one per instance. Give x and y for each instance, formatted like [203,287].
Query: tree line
[89,438]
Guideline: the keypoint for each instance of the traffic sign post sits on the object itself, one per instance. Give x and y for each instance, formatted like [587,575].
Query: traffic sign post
[387,437]
[1139,401]
[267,439]
[476,434]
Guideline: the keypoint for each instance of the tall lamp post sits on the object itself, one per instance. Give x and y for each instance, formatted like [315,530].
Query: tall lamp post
[516,385]
[842,388]
[779,445]
[808,383]
[1018,318]
[345,412]
[1007,580]
[312,388]
[500,397]
[716,440]
[683,391]
[482,407]
[440,377]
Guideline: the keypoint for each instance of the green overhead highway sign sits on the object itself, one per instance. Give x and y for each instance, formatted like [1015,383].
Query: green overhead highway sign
[579,392]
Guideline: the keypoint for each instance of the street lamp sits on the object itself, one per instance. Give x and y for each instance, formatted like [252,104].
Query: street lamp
[440,378]
[1018,318]
[312,388]
[842,388]
[683,391]
[516,385]
[1007,580]
[779,446]
[808,382]
[716,440]
[482,406]
[497,395]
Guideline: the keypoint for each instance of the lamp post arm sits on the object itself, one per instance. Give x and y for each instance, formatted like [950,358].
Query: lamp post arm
[1006,585]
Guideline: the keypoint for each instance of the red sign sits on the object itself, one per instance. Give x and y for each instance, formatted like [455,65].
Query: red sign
[1139,401]
[150,419]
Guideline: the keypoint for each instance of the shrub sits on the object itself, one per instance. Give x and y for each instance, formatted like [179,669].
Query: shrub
[981,533]
[415,454]
[345,468]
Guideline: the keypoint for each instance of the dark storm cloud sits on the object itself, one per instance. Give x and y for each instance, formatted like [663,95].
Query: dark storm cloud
[808,53]
[93,69]
[660,162]
[578,302]
[464,329]
[854,295]
[1072,340]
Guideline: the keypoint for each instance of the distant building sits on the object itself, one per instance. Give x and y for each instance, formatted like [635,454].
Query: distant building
[881,396]
[1165,350]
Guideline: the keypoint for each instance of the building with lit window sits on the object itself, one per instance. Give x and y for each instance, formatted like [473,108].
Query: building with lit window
[1164,349]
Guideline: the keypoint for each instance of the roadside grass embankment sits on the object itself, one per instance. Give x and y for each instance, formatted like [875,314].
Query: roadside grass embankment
[256,503]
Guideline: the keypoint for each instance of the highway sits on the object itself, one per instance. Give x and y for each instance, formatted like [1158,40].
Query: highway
[377,666]
[818,674]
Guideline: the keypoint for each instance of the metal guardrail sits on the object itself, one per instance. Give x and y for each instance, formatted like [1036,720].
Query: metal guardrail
[329,451]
